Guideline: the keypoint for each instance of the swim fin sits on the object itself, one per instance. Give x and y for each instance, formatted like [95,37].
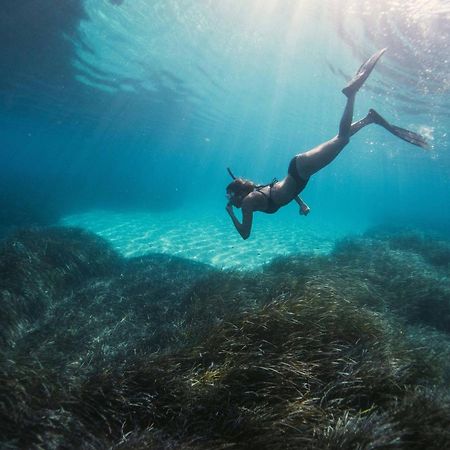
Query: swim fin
[362,74]
[402,133]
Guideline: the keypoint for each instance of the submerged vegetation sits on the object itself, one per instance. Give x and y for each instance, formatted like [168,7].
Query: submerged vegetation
[345,351]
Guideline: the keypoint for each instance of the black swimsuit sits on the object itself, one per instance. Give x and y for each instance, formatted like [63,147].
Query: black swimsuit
[293,172]
[272,207]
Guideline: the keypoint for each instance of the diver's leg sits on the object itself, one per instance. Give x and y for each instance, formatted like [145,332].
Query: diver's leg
[346,119]
[310,162]
[315,159]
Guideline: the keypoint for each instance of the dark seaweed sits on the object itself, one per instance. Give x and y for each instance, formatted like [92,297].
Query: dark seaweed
[345,351]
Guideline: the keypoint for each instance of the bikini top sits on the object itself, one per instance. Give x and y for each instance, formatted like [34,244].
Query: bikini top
[272,207]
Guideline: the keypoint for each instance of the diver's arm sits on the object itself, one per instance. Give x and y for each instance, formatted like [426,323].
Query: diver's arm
[304,208]
[245,227]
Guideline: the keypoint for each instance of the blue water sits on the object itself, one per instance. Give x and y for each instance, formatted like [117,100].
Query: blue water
[121,117]
[127,113]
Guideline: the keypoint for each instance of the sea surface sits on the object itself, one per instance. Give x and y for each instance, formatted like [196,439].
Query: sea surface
[133,315]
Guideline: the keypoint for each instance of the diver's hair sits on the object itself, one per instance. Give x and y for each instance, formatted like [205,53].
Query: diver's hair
[240,186]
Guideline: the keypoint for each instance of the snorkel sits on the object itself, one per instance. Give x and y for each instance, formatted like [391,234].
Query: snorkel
[229,194]
[231,173]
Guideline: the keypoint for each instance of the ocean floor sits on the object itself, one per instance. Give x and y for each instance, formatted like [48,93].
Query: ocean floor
[339,351]
[209,237]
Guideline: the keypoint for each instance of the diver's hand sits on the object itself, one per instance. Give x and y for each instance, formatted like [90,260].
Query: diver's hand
[229,208]
[304,209]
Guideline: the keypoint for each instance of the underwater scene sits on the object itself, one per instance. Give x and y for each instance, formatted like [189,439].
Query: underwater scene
[225,224]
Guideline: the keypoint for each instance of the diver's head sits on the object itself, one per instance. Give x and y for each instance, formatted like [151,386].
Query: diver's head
[238,189]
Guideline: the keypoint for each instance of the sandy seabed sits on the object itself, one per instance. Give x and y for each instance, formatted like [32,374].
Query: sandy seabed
[209,238]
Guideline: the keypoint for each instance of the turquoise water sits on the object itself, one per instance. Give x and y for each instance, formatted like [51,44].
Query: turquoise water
[122,116]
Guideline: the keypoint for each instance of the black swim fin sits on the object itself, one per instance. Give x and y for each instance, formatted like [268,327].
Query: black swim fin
[362,74]
[402,133]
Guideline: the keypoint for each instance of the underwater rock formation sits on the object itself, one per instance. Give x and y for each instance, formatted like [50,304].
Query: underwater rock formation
[349,350]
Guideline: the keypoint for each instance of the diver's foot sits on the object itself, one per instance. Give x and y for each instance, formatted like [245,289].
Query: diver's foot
[362,74]
[374,117]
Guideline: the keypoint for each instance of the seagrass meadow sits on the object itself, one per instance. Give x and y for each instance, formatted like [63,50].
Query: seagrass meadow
[348,350]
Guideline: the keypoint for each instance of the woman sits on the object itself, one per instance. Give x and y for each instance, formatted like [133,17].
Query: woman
[270,198]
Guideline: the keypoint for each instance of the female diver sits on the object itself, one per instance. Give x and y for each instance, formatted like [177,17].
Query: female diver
[270,198]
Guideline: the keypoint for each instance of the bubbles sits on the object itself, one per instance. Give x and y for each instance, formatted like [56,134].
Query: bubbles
[427,132]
